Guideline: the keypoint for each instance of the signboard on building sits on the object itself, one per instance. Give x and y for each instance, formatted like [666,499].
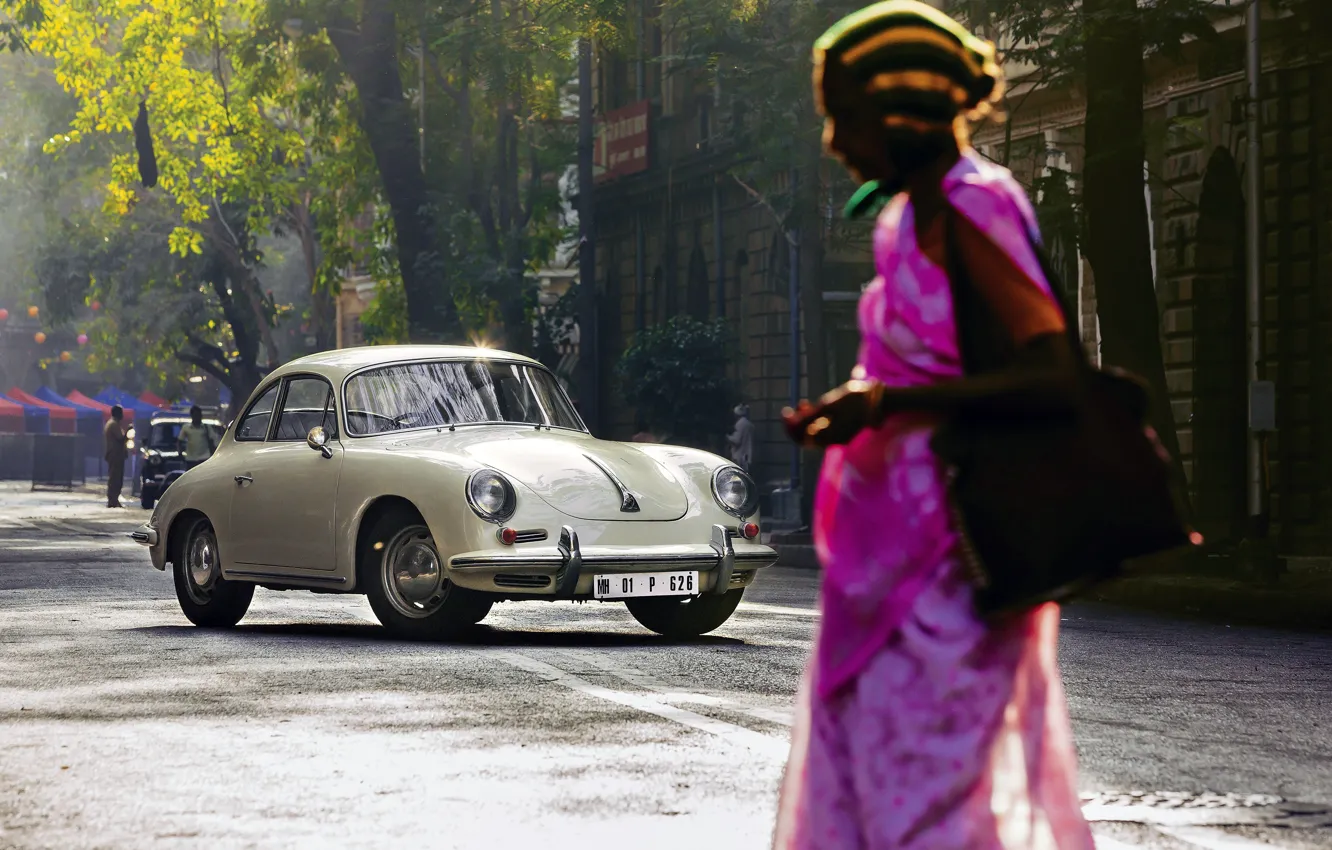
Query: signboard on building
[621,143]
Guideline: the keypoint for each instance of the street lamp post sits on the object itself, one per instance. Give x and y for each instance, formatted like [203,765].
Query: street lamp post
[1262,396]
[588,371]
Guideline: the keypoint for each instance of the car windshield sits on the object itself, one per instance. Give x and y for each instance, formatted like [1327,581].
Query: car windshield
[455,392]
[164,435]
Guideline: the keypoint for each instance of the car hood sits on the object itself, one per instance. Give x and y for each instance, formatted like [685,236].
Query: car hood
[578,475]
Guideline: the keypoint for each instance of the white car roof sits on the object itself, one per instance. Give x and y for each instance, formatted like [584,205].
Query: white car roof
[339,363]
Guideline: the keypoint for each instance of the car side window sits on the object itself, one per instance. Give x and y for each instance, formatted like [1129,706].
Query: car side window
[254,424]
[308,404]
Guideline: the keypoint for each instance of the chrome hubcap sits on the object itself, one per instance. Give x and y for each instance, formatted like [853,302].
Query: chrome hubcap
[413,575]
[201,566]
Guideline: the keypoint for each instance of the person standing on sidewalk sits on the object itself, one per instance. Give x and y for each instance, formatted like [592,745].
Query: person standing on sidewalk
[196,440]
[742,438]
[113,434]
[921,725]
[643,432]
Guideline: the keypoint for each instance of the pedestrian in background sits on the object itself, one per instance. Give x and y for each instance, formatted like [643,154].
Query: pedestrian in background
[195,441]
[742,438]
[113,435]
[643,432]
[921,725]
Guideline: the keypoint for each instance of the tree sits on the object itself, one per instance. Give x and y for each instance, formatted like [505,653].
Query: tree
[481,82]
[231,118]
[502,71]
[164,312]
[674,374]
[159,310]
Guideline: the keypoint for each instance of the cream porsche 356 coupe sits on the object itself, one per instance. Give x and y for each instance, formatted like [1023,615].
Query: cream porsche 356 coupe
[439,480]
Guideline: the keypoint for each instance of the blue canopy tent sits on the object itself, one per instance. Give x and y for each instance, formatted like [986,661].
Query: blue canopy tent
[115,395]
[141,412]
[36,420]
[89,424]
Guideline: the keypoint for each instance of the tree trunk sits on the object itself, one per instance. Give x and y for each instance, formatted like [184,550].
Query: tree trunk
[1118,243]
[229,253]
[323,312]
[369,52]
[240,374]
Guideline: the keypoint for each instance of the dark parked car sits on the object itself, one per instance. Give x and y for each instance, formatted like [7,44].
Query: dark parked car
[162,459]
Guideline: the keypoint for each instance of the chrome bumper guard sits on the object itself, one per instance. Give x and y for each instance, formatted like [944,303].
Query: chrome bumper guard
[145,535]
[571,561]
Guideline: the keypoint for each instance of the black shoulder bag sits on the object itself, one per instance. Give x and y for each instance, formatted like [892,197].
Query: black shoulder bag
[1050,505]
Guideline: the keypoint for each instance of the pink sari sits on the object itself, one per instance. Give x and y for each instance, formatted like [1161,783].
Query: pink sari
[920,725]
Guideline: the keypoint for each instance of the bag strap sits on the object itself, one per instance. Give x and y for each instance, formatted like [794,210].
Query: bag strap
[983,340]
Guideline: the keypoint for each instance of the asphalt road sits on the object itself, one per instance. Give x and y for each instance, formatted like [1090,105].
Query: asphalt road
[553,726]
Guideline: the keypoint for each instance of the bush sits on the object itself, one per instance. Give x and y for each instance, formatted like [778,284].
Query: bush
[674,374]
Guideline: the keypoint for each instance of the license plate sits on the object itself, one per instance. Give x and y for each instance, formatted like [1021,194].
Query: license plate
[624,586]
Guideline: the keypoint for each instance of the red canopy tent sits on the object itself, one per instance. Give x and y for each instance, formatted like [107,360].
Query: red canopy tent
[64,420]
[79,398]
[11,418]
[153,399]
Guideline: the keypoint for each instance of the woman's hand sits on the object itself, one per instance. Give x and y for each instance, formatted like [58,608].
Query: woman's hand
[838,417]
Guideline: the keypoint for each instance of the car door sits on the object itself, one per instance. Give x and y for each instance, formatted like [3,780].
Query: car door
[283,510]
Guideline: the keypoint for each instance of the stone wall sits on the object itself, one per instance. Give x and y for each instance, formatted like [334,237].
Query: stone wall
[1196,162]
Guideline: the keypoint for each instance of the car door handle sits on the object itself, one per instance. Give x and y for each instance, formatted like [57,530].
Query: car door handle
[244,479]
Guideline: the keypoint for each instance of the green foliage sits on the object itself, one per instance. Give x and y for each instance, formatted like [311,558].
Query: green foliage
[384,321]
[674,374]
[1051,36]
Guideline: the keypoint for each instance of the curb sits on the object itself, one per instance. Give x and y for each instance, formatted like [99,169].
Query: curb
[800,556]
[1302,602]
[1288,606]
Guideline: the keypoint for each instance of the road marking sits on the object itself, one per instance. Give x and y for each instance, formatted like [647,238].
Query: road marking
[763,607]
[738,735]
[637,677]
[1212,839]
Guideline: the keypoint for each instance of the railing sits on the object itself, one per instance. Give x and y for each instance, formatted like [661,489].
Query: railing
[57,461]
[49,461]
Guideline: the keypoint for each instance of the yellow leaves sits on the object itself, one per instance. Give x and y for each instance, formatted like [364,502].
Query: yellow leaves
[119,198]
[184,241]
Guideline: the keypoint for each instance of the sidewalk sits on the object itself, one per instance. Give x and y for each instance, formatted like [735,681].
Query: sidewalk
[1301,599]
[18,499]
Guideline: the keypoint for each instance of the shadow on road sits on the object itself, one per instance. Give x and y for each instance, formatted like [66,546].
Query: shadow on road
[480,636]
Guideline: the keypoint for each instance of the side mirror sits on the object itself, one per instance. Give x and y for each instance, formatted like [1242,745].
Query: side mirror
[317,439]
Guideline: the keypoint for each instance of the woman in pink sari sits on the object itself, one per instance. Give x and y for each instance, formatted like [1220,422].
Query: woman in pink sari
[921,725]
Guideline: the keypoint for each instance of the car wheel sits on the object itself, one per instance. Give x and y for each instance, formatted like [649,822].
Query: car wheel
[206,598]
[403,576]
[684,617]
[147,497]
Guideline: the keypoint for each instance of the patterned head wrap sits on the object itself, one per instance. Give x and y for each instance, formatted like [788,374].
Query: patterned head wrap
[916,65]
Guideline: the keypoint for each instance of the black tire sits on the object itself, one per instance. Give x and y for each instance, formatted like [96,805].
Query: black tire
[207,599]
[417,602]
[684,617]
[147,496]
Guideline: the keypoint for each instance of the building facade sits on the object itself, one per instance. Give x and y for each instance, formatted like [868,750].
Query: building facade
[678,233]
[1196,162]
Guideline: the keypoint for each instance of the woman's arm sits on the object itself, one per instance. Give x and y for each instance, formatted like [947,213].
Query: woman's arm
[1041,380]
[1041,388]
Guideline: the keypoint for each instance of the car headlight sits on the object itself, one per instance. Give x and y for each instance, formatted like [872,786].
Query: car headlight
[735,491]
[491,495]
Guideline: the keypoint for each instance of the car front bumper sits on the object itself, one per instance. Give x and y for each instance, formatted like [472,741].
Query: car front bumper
[567,570]
[147,535]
